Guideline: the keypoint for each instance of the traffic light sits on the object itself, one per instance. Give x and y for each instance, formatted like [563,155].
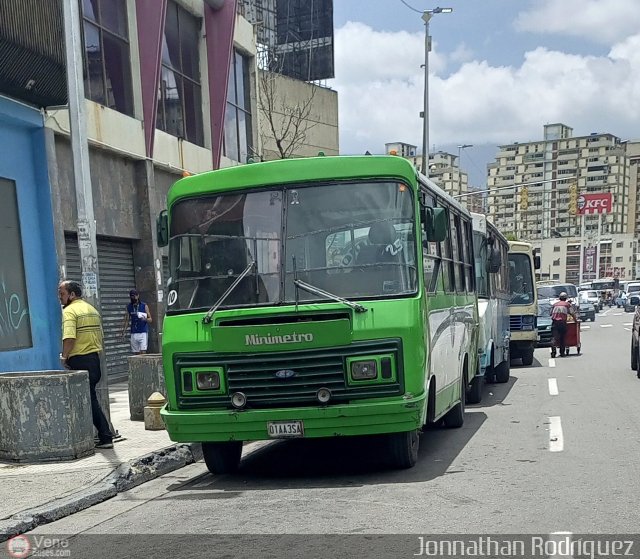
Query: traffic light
[573,199]
[524,198]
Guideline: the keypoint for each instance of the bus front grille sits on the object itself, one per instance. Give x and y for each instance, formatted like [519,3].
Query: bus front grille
[515,322]
[255,376]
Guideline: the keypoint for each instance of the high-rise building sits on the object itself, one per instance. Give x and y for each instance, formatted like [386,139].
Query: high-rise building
[530,184]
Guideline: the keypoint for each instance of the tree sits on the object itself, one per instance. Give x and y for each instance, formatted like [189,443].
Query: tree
[511,236]
[286,116]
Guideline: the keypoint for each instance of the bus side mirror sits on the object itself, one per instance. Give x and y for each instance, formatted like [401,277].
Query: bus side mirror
[494,260]
[536,261]
[435,223]
[162,229]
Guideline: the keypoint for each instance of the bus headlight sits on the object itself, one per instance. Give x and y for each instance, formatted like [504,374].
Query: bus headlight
[364,370]
[238,400]
[528,322]
[208,380]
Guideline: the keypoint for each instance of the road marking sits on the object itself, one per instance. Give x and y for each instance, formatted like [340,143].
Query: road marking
[628,323]
[583,327]
[556,439]
[627,329]
[553,387]
[606,325]
[552,362]
[617,314]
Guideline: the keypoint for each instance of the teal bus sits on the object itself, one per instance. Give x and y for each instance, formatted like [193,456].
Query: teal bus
[318,297]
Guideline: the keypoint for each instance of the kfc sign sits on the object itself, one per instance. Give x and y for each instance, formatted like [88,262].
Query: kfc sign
[595,203]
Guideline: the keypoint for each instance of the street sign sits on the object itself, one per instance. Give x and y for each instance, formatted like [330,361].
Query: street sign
[595,203]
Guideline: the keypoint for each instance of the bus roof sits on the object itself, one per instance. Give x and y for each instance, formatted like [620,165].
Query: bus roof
[292,171]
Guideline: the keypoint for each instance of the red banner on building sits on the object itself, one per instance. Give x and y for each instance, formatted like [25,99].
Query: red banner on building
[595,203]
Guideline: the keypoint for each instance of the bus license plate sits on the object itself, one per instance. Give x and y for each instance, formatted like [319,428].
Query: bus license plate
[285,429]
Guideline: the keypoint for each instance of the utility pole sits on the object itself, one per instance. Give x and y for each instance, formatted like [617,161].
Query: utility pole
[86,224]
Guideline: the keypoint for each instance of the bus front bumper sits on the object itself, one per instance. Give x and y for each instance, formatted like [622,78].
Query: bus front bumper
[368,418]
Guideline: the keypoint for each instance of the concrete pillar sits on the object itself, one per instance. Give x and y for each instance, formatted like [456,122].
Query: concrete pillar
[146,254]
[146,376]
[45,415]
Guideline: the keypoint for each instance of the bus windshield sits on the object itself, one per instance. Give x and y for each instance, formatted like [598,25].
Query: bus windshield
[354,240]
[521,279]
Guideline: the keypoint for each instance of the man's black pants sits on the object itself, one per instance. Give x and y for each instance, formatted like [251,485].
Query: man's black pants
[91,363]
[558,331]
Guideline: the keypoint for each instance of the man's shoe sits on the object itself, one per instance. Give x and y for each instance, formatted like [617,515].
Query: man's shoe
[104,445]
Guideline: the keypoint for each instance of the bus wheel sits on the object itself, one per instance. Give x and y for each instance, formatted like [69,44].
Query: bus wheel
[474,394]
[403,449]
[527,357]
[503,371]
[222,458]
[634,356]
[455,416]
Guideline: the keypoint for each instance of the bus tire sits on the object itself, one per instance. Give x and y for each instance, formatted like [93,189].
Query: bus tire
[634,356]
[474,394]
[455,416]
[503,371]
[222,457]
[403,449]
[527,357]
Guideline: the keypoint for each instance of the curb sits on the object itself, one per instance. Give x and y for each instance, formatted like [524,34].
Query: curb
[124,477]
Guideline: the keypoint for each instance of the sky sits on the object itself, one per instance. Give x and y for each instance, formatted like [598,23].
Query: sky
[499,71]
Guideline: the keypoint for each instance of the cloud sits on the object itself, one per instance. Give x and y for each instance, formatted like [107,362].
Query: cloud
[601,21]
[380,87]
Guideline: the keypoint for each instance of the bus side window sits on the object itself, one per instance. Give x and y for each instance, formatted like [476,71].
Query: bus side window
[448,267]
[431,257]
[469,275]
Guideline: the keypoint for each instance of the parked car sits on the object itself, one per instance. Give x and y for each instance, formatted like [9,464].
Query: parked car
[587,311]
[544,322]
[635,335]
[589,296]
[632,303]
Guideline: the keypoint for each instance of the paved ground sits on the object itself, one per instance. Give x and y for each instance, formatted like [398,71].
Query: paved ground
[26,486]
[554,450]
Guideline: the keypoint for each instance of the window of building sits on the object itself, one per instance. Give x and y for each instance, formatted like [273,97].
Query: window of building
[556,262]
[556,249]
[107,67]
[619,259]
[556,276]
[180,94]
[620,245]
[15,326]
[237,120]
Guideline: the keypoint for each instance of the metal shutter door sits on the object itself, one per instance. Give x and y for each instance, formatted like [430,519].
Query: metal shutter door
[72,264]
[117,277]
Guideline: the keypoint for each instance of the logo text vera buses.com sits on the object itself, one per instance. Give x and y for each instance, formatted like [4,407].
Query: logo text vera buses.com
[536,546]
[23,546]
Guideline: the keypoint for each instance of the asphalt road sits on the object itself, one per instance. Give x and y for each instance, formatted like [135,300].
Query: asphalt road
[557,449]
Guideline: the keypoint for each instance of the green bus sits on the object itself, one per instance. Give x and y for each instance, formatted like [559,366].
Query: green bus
[318,297]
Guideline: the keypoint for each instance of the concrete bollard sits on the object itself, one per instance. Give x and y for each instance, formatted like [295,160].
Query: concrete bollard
[152,419]
[146,376]
[45,415]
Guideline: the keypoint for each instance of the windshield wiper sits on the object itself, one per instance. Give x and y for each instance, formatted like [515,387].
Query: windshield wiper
[317,291]
[207,318]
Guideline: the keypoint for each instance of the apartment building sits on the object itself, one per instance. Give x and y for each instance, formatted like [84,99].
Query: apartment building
[171,86]
[615,257]
[530,184]
[444,168]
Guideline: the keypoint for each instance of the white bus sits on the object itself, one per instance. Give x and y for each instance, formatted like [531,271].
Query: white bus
[491,250]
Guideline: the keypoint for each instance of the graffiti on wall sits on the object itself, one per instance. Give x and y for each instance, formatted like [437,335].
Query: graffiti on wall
[15,324]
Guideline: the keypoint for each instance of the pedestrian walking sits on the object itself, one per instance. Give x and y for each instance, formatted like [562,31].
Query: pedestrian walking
[560,311]
[139,316]
[81,347]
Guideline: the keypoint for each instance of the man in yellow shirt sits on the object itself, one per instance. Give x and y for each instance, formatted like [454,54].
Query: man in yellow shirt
[81,347]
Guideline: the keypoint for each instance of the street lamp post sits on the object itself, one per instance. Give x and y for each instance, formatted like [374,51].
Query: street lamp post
[426,16]
[460,148]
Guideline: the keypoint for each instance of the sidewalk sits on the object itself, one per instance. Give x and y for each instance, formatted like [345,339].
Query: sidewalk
[34,494]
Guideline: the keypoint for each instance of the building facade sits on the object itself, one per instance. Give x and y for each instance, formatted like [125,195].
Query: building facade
[615,257]
[444,168]
[171,87]
[530,185]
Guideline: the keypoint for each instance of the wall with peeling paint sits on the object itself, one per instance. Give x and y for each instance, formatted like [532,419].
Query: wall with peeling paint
[23,160]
